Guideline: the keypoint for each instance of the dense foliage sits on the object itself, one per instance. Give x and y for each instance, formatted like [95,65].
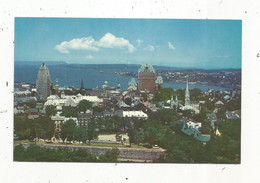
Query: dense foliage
[35,153]
[71,132]
[42,127]
[163,128]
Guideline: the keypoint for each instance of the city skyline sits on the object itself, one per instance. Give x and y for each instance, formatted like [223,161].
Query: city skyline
[164,42]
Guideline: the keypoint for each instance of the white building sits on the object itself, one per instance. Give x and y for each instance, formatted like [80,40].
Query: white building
[71,100]
[135,114]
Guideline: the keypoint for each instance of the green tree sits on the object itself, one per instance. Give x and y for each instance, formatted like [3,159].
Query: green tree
[196,94]
[221,114]
[67,130]
[81,134]
[200,117]
[84,105]
[110,155]
[151,131]
[50,110]
[163,94]
[168,115]
[69,112]
[44,127]
[177,156]
[92,132]
[128,101]
[97,109]
[22,127]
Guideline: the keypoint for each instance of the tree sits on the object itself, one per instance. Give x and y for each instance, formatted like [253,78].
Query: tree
[84,105]
[233,105]
[221,114]
[35,153]
[92,132]
[145,98]
[50,110]
[139,136]
[131,135]
[163,94]
[68,130]
[110,155]
[44,127]
[168,115]
[188,113]
[151,131]
[81,134]
[177,156]
[200,117]
[97,109]
[128,101]
[22,127]
[208,107]
[196,94]
[69,111]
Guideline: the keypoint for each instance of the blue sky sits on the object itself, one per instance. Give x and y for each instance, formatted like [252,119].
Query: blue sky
[167,42]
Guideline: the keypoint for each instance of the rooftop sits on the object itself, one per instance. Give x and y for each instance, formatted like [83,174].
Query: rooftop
[159,80]
[43,67]
[146,68]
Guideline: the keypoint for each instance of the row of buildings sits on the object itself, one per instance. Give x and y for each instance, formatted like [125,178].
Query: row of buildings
[127,104]
[148,81]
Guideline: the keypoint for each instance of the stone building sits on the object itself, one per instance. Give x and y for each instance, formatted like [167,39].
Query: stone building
[190,105]
[159,83]
[146,78]
[84,117]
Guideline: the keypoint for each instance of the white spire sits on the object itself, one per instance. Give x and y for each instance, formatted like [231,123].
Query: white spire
[187,93]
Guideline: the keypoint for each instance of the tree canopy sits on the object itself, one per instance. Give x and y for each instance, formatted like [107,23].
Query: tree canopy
[84,105]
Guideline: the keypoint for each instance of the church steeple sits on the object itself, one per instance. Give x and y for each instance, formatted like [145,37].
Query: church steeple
[187,94]
[172,102]
[82,89]
[176,102]
[82,85]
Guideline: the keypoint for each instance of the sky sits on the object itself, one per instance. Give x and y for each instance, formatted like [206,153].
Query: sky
[166,42]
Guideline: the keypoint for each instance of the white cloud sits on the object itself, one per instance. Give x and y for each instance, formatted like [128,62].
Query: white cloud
[139,42]
[86,43]
[89,57]
[111,41]
[89,43]
[171,46]
[150,48]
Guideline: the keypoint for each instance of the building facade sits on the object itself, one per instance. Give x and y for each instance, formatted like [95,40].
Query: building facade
[84,117]
[43,83]
[159,83]
[146,78]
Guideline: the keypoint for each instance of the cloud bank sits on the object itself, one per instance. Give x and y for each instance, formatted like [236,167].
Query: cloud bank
[88,43]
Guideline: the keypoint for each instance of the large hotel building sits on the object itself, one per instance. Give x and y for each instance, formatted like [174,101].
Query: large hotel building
[43,83]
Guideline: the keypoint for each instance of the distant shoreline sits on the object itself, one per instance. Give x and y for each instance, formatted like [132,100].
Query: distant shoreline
[137,65]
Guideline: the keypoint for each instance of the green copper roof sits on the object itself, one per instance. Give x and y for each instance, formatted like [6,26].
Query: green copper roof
[132,84]
[146,68]
[43,66]
[159,80]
